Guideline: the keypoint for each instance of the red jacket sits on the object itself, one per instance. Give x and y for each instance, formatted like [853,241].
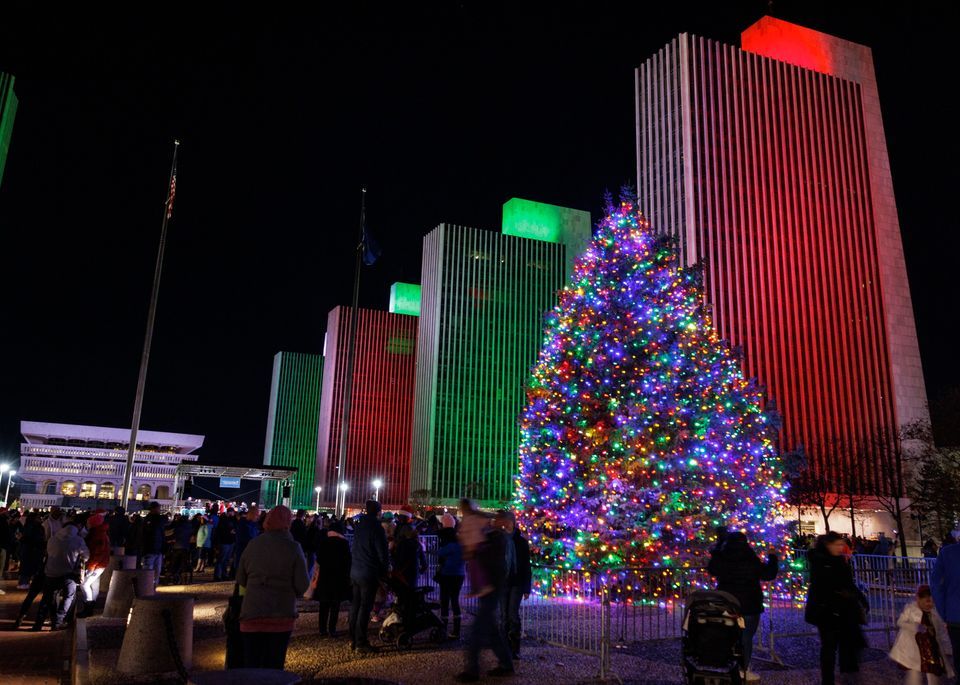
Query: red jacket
[98,540]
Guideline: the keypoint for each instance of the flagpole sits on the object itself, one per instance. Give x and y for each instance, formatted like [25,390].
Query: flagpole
[351,350]
[148,338]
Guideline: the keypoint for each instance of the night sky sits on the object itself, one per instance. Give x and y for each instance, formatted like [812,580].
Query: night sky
[444,109]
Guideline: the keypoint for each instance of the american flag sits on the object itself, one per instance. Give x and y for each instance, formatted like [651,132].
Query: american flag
[173,193]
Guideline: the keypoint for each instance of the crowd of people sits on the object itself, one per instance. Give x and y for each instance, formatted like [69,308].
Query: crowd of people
[372,561]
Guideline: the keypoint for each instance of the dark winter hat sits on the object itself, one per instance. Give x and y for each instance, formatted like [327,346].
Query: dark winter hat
[924,591]
[372,507]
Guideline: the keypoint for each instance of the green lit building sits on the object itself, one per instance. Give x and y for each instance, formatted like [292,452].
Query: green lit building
[8,110]
[482,303]
[292,422]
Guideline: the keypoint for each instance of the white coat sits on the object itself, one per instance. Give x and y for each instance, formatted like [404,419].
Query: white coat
[905,651]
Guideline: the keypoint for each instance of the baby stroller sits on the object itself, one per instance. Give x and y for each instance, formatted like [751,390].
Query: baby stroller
[411,614]
[711,650]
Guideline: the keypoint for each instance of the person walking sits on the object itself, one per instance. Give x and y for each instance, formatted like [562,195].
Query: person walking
[922,645]
[519,580]
[450,577]
[836,607]
[271,575]
[367,566]
[945,588]
[331,578]
[739,571]
[33,546]
[489,556]
[66,552]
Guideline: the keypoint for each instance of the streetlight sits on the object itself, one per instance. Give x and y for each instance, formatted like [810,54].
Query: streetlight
[342,497]
[3,469]
[317,490]
[377,484]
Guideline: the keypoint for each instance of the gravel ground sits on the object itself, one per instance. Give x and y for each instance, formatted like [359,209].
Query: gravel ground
[651,662]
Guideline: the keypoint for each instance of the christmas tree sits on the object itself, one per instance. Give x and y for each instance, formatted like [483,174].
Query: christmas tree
[641,437]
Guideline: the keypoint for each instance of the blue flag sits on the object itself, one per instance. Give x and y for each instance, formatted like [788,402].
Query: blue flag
[370,248]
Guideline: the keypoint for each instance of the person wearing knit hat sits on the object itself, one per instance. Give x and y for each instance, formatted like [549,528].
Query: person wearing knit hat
[272,574]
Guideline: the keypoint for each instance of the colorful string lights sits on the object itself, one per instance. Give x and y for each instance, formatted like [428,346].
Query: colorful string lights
[640,436]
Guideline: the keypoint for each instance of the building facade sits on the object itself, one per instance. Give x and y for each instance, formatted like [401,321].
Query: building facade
[292,419]
[8,112]
[84,466]
[769,164]
[484,295]
[378,441]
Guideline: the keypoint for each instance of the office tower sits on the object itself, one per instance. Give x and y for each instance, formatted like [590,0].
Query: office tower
[292,420]
[378,443]
[483,299]
[8,111]
[769,164]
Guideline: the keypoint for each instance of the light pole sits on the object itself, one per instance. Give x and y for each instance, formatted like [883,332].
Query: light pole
[377,484]
[317,490]
[342,498]
[3,469]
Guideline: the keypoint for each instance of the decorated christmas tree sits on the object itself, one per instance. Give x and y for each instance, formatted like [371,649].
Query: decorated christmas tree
[641,438]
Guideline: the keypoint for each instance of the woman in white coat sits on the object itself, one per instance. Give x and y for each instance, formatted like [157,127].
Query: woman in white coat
[922,646]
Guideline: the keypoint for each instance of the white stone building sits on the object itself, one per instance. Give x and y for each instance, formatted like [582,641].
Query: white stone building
[84,466]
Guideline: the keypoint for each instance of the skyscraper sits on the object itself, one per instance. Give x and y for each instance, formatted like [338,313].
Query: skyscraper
[769,164]
[483,299]
[8,111]
[378,443]
[292,425]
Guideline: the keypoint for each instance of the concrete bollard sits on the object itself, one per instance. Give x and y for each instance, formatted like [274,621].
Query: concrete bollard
[116,562]
[146,642]
[245,676]
[121,591]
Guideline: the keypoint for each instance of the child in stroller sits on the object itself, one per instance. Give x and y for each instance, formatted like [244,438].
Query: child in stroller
[411,614]
[711,650]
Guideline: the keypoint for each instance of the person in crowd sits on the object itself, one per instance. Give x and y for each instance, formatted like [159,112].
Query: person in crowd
[35,590]
[406,555]
[204,543]
[930,549]
[368,565]
[450,575]
[489,555]
[66,552]
[182,538]
[248,527]
[6,543]
[271,575]
[519,579]
[152,541]
[224,538]
[330,584]
[922,646]
[836,606]
[472,535]
[33,545]
[945,588]
[299,532]
[119,531]
[53,523]
[98,542]
[739,571]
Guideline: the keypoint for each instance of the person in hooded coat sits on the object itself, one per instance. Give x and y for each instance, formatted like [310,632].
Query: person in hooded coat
[739,571]
[331,578]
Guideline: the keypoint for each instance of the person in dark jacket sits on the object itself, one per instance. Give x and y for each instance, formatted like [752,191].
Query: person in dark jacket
[33,546]
[181,530]
[152,541]
[119,530]
[368,565]
[738,570]
[489,555]
[224,538]
[835,606]
[248,527]
[331,577]
[518,580]
[945,587]
[406,555]
[450,577]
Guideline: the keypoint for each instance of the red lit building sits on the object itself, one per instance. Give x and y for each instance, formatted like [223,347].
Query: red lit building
[769,163]
[381,419]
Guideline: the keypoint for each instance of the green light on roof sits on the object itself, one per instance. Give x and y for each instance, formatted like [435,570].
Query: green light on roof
[405,299]
[535,220]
